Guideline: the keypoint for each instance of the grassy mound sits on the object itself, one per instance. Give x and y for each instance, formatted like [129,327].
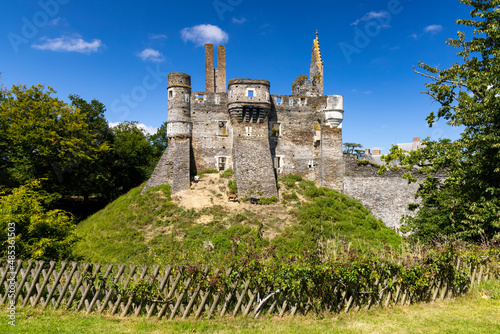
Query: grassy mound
[151,228]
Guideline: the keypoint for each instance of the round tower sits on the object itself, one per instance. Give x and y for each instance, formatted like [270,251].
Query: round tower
[179,106]
[249,98]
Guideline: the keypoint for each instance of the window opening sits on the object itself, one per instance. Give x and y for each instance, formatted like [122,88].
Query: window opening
[222,128]
[222,163]
[276,130]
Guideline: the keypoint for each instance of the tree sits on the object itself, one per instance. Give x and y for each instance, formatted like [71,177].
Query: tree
[466,204]
[91,176]
[43,137]
[159,142]
[39,233]
[351,148]
[131,159]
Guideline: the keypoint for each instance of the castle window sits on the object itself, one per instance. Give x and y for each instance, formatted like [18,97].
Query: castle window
[250,93]
[278,164]
[276,130]
[248,130]
[302,101]
[222,128]
[186,97]
[201,97]
[170,94]
[221,163]
[278,100]
[310,164]
[291,101]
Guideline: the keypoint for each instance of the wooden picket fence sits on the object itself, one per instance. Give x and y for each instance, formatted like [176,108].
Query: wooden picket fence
[113,290]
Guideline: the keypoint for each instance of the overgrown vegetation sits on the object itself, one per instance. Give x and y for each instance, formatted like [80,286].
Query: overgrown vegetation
[227,173]
[466,204]
[151,228]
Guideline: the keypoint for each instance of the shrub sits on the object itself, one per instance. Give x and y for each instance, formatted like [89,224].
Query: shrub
[227,173]
[268,200]
[363,162]
[233,188]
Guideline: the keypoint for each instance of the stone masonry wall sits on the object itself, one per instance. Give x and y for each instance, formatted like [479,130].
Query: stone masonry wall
[173,165]
[253,167]
[209,140]
[387,195]
[332,164]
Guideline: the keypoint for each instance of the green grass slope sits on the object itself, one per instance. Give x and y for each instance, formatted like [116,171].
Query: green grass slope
[151,228]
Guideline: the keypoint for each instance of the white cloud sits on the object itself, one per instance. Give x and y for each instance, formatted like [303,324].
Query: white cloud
[150,130]
[368,92]
[203,34]
[69,44]
[151,55]
[372,15]
[239,21]
[157,36]
[433,29]
[414,36]
[54,22]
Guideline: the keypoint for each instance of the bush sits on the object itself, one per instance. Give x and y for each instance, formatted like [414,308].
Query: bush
[363,162]
[268,200]
[227,173]
[233,188]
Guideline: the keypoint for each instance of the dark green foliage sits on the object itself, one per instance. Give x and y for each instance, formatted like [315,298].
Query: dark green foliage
[354,149]
[268,200]
[290,180]
[291,197]
[130,162]
[466,205]
[233,188]
[363,162]
[31,230]
[227,173]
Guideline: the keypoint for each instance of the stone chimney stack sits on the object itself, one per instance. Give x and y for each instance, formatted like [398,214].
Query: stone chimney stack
[367,151]
[221,70]
[209,69]
[416,144]
[376,152]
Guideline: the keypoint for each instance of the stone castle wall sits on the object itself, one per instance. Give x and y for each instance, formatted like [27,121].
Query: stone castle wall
[387,195]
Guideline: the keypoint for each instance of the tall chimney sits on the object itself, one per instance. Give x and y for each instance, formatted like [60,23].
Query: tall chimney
[221,69]
[209,69]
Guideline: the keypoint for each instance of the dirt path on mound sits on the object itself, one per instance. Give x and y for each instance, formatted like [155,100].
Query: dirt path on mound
[212,190]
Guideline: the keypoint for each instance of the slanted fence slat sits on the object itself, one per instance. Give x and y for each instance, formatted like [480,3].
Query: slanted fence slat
[173,292]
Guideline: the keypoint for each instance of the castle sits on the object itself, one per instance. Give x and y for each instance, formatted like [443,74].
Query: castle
[258,134]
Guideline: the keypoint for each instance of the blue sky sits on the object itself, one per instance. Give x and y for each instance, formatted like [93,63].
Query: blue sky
[119,53]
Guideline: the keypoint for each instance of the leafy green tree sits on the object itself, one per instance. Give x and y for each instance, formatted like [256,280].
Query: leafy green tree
[92,175]
[43,137]
[131,159]
[40,234]
[159,142]
[466,204]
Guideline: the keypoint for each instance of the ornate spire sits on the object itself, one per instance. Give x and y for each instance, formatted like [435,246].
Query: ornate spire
[316,70]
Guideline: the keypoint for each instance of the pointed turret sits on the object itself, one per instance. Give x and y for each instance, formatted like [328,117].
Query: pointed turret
[316,71]
[314,87]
